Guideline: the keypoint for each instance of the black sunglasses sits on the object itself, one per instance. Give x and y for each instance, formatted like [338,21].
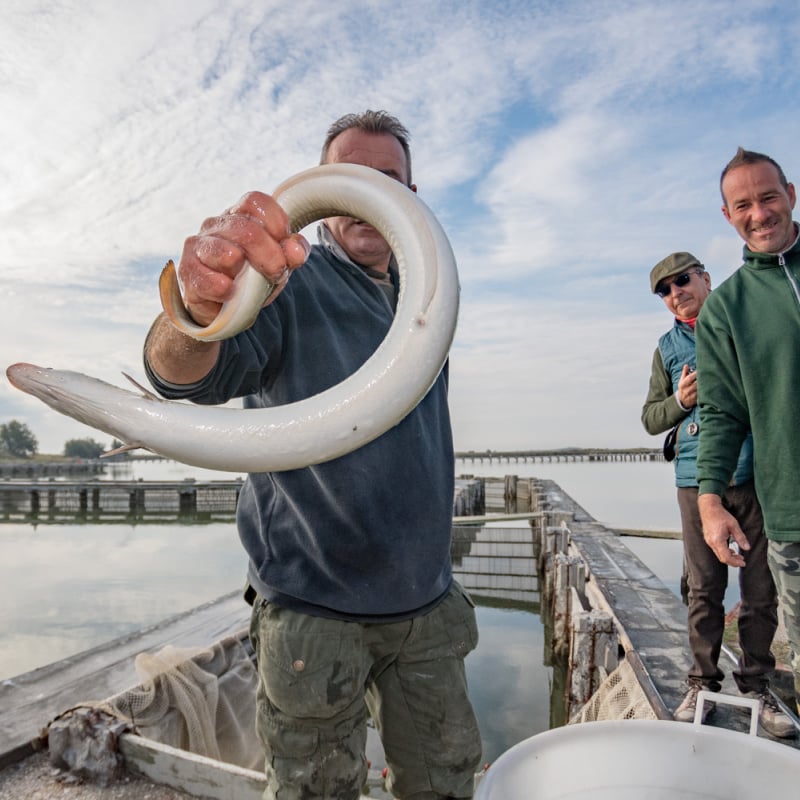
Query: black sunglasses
[663,289]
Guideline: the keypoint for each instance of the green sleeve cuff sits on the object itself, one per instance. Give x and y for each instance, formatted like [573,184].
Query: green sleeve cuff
[711,486]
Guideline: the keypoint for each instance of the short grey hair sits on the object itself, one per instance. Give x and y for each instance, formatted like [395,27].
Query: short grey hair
[370,122]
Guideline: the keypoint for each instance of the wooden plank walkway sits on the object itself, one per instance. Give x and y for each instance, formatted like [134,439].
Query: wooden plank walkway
[650,618]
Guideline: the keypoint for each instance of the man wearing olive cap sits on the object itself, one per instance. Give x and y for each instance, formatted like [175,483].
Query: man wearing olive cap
[683,284]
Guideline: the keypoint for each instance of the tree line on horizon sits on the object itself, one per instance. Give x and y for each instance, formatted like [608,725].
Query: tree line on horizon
[19,441]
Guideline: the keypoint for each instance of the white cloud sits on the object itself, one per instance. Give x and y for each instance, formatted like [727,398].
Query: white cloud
[567,147]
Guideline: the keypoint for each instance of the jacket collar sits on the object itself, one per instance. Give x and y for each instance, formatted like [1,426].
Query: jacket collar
[767,260]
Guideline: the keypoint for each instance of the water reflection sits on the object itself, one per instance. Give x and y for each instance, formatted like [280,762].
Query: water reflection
[510,684]
[510,674]
[66,587]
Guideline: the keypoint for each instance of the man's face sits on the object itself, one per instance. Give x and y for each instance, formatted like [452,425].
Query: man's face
[759,207]
[380,151]
[685,302]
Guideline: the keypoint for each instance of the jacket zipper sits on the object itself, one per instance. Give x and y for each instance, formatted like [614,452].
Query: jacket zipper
[785,267]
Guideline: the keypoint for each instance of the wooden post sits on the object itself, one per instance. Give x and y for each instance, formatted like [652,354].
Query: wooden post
[187,502]
[593,655]
[555,541]
[510,494]
[568,597]
[136,502]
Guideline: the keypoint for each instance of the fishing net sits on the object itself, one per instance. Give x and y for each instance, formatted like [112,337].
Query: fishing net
[620,696]
[200,700]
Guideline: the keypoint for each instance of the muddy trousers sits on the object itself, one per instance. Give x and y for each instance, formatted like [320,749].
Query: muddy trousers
[320,679]
[784,561]
[708,580]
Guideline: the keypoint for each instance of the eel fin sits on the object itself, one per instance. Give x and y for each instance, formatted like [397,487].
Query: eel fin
[124,448]
[143,389]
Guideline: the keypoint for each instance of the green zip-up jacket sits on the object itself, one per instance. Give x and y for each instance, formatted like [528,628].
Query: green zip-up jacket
[748,356]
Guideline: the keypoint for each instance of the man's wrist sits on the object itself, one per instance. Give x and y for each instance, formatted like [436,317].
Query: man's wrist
[708,500]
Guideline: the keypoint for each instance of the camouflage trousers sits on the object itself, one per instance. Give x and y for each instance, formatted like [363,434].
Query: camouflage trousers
[784,562]
[319,679]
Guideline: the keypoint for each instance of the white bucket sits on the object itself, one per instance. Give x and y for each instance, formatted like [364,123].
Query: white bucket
[642,760]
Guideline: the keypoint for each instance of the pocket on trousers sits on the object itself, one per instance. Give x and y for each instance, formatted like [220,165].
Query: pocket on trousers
[466,639]
[451,628]
[310,673]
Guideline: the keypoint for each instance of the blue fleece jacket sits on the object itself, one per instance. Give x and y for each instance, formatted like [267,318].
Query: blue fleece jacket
[365,536]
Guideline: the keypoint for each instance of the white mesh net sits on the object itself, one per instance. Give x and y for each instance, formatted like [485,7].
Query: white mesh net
[197,700]
[620,696]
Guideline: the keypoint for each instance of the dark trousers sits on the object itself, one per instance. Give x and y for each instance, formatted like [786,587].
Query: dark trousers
[708,580]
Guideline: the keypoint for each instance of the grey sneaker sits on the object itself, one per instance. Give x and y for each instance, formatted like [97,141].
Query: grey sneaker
[686,710]
[772,718]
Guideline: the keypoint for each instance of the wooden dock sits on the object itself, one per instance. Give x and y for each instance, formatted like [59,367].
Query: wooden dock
[104,500]
[563,454]
[109,501]
[648,620]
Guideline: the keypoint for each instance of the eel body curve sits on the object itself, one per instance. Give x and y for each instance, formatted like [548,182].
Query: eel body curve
[319,428]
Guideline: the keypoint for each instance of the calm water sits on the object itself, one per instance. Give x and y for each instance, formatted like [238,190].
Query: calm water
[66,588]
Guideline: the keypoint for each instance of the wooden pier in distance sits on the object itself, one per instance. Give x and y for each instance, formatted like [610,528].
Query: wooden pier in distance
[562,454]
[107,501]
[104,500]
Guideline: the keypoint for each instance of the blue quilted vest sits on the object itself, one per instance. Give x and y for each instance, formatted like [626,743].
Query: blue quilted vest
[677,348]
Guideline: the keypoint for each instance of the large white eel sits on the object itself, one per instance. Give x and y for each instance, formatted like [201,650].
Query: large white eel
[319,428]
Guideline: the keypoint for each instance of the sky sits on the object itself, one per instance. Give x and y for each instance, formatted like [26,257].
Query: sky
[566,147]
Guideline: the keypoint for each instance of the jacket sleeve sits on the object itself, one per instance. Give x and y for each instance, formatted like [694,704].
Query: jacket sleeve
[724,420]
[661,410]
[241,369]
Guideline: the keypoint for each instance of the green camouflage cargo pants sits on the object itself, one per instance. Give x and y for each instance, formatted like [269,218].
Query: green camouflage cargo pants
[318,677]
[784,562]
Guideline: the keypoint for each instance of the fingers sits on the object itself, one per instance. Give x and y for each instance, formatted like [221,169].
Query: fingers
[295,249]
[269,244]
[719,527]
[740,539]
[689,396]
[687,387]
[717,540]
[204,286]
[728,556]
[254,230]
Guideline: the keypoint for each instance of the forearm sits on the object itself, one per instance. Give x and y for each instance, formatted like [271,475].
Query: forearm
[724,415]
[718,450]
[661,410]
[175,357]
[660,416]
